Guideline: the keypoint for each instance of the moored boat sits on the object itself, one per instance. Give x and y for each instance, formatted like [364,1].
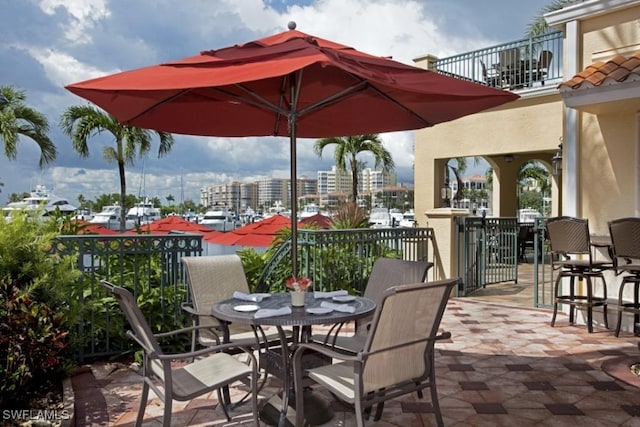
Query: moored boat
[43,201]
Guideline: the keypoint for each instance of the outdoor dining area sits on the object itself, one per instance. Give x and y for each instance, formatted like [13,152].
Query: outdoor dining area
[405,352]
[502,365]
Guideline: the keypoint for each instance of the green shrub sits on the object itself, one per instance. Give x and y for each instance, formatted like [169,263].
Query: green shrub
[38,309]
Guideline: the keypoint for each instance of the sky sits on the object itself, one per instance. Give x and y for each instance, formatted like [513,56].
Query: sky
[47,44]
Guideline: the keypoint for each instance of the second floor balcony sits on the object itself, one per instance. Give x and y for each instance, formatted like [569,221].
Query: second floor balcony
[518,65]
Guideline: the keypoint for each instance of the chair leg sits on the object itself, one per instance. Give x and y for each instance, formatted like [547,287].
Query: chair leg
[379,409]
[143,403]
[223,402]
[620,307]
[555,300]
[359,410]
[589,305]
[168,402]
[572,290]
[436,403]
[605,306]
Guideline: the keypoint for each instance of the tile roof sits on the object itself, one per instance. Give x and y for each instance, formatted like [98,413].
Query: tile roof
[616,70]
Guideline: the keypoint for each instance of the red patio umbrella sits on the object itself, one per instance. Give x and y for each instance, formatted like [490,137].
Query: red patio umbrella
[259,233]
[176,223]
[318,219]
[89,228]
[289,84]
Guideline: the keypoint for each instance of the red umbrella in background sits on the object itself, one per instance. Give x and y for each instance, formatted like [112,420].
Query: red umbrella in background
[259,233]
[89,228]
[175,223]
[289,84]
[318,219]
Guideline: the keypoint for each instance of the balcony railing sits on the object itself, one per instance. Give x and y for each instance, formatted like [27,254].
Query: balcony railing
[521,64]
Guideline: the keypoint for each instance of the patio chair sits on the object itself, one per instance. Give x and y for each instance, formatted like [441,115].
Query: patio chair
[211,368]
[625,247]
[212,279]
[490,79]
[397,358]
[568,237]
[510,66]
[542,66]
[385,273]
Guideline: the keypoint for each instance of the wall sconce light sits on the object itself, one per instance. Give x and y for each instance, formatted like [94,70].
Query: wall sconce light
[445,193]
[508,158]
[556,161]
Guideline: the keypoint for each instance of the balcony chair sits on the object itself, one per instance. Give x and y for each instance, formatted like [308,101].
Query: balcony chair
[386,272]
[510,66]
[492,79]
[397,357]
[210,369]
[542,66]
[568,237]
[625,246]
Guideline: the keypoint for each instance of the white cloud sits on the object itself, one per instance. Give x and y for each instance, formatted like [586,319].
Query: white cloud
[84,15]
[65,41]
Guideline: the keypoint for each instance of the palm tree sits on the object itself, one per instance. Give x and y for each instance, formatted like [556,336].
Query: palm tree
[347,150]
[17,119]
[538,26]
[84,121]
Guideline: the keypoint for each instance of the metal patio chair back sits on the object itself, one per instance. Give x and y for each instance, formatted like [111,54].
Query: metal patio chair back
[397,357]
[212,279]
[210,368]
[625,248]
[569,236]
[385,273]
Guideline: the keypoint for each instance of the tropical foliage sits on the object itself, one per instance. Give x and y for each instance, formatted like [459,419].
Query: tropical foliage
[347,150]
[82,122]
[18,120]
[38,310]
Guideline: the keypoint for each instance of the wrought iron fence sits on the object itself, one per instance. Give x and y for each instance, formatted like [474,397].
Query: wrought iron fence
[146,264]
[342,259]
[150,266]
[521,64]
[487,252]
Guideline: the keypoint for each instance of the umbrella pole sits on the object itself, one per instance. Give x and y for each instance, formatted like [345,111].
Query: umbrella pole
[294,201]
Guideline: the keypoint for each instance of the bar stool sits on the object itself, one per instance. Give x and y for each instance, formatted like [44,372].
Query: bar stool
[570,236]
[625,245]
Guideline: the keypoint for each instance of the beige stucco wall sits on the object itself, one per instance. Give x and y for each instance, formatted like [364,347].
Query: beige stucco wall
[608,154]
[608,132]
[529,128]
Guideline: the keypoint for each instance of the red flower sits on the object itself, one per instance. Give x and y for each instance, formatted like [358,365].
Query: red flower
[298,283]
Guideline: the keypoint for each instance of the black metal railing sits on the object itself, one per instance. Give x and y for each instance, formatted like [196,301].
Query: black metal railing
[342,259]
[487,252]
[150,265]
[521,64]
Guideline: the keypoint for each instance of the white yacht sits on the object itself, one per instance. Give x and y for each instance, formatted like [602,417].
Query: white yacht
[42,199]
[379,218]
[143,213]
[109,217]
[408,219]
[220,219]
[309,210]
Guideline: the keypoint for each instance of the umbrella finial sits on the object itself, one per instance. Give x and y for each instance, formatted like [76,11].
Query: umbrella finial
[291,25]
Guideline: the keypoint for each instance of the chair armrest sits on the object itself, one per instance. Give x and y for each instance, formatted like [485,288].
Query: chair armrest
[183,330]
[245,345]
[189,309]
[335,353]
[443,336]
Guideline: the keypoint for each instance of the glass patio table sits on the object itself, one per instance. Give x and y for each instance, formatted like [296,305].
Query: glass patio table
[301,319]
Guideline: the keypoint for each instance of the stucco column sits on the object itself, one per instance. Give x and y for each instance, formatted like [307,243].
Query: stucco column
[442,221]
